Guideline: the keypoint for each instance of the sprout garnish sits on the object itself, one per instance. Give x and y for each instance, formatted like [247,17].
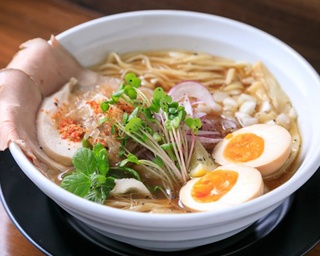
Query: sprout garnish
[159,125]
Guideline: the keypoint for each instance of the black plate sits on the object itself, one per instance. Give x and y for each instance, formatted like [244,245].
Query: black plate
[291,229]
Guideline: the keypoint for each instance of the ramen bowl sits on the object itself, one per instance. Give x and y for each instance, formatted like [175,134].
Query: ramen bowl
[154,30]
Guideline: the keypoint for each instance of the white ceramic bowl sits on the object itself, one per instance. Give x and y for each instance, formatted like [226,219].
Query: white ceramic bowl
[152,30]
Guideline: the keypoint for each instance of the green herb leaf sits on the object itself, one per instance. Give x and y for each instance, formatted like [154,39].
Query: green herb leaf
[173,110]
[157,137]
[113,129]
[99,194]
[84,161]
[168,147]
[133,114]
[104,106]
[194,124]
[164,103]
[168,124]
[101,157]
[132,79]
[97,180]
[102,120]
[77,183]
[182,114]
[85,143]
[96,195]
[133,125]
[158,94]
[130,92]
[155,106]
[158,161]
[123,172]
[125,118]
[175,122]
[147,112]
[133,172]
[131,158]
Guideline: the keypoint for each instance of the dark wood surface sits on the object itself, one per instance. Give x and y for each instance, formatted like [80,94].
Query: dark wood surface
[296,22]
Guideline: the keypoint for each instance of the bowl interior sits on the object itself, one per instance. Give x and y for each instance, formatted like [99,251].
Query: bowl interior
[157,30]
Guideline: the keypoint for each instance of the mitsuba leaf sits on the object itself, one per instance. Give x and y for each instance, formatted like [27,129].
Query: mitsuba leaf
[77,183]
[97,180]
[84,161]
[101,157]
[101,193]
[96,195]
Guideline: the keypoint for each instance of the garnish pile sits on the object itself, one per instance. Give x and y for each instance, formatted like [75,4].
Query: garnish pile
[158,126]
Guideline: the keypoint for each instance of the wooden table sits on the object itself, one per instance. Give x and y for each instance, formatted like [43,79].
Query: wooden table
[296,22]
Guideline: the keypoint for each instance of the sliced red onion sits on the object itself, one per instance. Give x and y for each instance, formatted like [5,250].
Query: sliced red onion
[199,115]
[229,124]
[196,90]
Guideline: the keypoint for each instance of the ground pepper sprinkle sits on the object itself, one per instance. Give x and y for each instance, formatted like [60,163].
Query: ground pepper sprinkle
[95,106]
[70,130]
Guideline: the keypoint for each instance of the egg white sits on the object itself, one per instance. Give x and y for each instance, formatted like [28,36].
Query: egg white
[249,185]
[277,147]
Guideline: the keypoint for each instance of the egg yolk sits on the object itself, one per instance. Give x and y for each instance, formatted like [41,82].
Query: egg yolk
[244,147]
[212,186]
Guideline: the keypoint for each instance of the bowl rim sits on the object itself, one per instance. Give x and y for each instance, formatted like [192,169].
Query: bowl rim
[188,220]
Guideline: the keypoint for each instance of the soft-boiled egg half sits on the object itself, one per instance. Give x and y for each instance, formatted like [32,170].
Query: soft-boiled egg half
[263,146]
[223,187]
